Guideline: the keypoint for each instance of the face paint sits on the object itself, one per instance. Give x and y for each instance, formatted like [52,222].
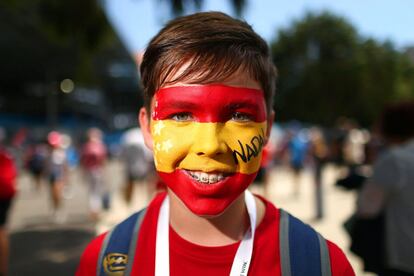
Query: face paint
[208,141]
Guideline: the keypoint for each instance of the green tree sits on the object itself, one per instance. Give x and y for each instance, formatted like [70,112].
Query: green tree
[327,70]
[70,31]
[405,87]
[377,79]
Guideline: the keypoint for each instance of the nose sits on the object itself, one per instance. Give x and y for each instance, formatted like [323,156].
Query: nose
[207,140]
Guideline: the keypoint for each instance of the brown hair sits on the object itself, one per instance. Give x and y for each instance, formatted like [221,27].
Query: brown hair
[397,120]
[215,46]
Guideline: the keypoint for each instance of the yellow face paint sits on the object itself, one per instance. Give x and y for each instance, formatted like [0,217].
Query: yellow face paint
[179,144]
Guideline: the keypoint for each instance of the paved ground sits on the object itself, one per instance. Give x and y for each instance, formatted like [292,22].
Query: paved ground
[338,206]
[40,246]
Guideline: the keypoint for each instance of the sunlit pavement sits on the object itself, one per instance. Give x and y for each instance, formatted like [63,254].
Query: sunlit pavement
[43,246]
[338,205]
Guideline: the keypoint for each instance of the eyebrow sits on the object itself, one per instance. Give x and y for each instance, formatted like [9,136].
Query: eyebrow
[182,104]
[245,104]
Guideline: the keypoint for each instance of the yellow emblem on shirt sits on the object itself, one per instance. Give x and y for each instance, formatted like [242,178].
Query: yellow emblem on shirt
[115,264]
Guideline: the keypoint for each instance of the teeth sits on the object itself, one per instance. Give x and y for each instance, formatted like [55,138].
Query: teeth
[195,176]
[206,178]
[212,178]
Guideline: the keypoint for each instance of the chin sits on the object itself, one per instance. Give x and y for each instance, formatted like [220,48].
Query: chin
[209,208]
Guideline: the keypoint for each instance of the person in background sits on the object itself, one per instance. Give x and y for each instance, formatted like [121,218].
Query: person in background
[319,153]
[390,189]
[93,160]
[138,163]
[57,173]
[8,175]
[298,148]
[36,162]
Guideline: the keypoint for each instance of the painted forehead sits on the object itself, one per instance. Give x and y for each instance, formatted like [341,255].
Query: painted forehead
[214,101]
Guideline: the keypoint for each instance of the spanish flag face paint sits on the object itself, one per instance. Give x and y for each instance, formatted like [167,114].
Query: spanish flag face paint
[208,141]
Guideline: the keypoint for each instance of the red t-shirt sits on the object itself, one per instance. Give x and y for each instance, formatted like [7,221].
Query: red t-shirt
[187,258]
[8,174]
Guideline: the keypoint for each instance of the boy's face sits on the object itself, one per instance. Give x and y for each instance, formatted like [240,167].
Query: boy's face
[207,140]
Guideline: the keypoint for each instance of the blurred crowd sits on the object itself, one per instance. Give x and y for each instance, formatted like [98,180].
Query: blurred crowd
[48,158]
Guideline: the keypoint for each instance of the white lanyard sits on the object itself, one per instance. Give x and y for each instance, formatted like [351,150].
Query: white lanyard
[244,252]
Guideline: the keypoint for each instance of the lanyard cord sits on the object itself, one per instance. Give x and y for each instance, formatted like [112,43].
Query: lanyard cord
[244,252]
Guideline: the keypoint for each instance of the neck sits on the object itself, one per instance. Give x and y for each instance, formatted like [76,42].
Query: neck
[224,229]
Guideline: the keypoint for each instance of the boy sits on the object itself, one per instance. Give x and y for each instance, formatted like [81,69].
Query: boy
[208,82]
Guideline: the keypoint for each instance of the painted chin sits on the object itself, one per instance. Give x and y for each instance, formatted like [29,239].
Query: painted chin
[207,197]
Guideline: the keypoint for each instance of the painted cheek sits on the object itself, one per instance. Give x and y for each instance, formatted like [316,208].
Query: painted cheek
[170,144]
[247,146]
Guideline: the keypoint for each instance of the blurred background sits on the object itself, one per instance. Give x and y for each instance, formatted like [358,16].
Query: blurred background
[70,94]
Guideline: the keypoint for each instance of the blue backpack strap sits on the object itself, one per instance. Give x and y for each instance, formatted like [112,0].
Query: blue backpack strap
[118,249]
[302,250]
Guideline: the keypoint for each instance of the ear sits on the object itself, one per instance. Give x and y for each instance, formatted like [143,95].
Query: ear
[270,120]
[144,122]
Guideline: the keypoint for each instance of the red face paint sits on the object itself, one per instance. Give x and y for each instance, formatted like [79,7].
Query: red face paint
[209,103]
[197,129]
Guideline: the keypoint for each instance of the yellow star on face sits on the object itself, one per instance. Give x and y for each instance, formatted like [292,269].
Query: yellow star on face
[167,145]
[158,127]
[157,146]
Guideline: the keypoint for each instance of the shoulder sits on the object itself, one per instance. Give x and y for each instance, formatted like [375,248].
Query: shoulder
[388,156]
[339,262]
[89,259]
[119,238]
[268,216]
[303,240]
[387,169]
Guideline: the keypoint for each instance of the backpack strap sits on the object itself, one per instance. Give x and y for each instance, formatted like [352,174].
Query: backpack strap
[118,248]
[303,251]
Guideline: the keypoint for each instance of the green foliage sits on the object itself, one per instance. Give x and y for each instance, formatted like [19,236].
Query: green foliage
[58,38]
[64,21]
[327,70]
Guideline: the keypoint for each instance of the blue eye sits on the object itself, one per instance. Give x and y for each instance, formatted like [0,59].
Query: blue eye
[241,117]
[182,117]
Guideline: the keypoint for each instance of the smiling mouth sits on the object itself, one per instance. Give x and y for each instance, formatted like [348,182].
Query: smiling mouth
[207,178]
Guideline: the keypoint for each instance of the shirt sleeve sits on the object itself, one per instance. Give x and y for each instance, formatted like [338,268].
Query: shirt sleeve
[340,265]
[89,259]
[371,200]
[386,178]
